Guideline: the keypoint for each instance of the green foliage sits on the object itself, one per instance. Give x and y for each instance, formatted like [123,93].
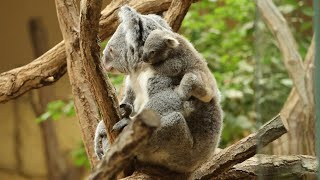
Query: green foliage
[79,157]
[56,109]
[245,59]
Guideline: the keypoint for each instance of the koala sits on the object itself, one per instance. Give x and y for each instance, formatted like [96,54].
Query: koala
[190,130]
[173,55]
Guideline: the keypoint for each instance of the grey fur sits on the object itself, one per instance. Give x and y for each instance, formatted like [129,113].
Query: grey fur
[173,55]
[190,130]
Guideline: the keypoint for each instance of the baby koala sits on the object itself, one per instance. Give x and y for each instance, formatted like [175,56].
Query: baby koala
[173,55]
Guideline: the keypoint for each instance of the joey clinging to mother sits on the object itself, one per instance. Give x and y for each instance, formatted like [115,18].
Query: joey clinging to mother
[171,54]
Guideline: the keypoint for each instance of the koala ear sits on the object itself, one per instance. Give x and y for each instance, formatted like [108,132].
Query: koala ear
[171,42]
[131,21]
[126,12]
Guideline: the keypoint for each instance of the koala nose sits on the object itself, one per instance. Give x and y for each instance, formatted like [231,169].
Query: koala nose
[144,57]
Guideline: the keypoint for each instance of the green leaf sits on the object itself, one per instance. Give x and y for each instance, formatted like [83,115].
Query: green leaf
[45,116]
[308,11]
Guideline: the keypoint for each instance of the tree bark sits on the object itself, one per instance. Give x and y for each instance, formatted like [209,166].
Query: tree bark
[176,13]
[85,105]
[273,167]
[51,66]
[100,85]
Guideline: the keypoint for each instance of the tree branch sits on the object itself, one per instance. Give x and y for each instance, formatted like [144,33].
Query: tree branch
[48,68]
[43,71]
[273,167]
[99,83]
[85,105]
[176,13]
[129,141]
[241,150]
[287,44]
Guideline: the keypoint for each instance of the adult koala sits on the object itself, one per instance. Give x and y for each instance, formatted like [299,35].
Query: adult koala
[184,140]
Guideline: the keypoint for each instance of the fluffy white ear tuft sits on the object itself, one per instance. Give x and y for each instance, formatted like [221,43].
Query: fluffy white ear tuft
[126,13]
[171,42]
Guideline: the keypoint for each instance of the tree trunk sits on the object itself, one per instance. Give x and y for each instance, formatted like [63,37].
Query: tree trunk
[57,166]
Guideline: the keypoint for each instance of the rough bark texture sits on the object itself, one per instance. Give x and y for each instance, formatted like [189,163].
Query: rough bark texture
[48,68]
[129,141]
[175,15]
[85,105]
[273,167]
[241,150]
[101,87]
[299,108]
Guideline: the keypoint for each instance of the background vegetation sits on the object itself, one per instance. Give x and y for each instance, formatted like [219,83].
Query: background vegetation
[243,57]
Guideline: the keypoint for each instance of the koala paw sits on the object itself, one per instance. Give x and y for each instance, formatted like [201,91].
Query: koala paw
[125,110]
[99,153]
[121,124]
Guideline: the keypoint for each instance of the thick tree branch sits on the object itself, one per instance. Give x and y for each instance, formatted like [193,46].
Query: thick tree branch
[100,85]
[43,71]
[129,141]
[241,150]
[48,68]
[85,105]
[273,167]
[176,13]
[287,44]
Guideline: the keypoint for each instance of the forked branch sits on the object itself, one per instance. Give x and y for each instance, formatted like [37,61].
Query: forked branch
[287,44]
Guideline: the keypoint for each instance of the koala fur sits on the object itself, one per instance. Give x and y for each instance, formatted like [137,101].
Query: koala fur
[185,139]
[173,55]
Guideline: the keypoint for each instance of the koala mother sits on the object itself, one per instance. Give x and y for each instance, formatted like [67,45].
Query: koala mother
[123,54]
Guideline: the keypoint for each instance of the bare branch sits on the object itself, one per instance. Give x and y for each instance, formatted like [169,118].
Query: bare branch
[273,167]
[241,150]
[129,141]
[287,44]
[43,71]
[100,85]
[48,68]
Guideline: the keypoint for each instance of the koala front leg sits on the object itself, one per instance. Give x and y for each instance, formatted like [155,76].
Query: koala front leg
[101,144]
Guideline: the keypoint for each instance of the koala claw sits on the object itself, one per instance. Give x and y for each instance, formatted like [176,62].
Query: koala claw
[121,124]
[99,154]
[125,110]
